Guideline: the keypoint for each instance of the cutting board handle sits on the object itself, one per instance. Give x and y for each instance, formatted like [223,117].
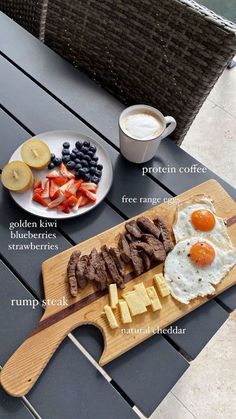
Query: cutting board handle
[26,364]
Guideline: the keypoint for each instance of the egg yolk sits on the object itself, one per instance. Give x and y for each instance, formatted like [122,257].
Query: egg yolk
[203,220]
[202,254]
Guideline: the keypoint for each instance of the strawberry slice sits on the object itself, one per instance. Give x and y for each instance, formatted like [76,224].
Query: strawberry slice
[45,192]
[60,180]
[90,186]
[38,190]
[37,183]
[65,172]
[52,189]
[68,194]
[82,201]
[57,201]
[40,200]
[72,201]
[90,195]
[52,175]
[78,183]
[67,185]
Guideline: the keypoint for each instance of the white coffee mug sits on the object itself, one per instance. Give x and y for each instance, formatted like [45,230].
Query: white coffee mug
[140,150]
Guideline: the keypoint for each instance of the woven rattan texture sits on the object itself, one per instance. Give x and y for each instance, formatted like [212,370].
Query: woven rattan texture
[167,53]
[28,13]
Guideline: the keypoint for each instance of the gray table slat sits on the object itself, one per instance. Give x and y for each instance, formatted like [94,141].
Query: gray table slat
[70,386]
[145,386]
[228,298]
[96,106]
[12,408]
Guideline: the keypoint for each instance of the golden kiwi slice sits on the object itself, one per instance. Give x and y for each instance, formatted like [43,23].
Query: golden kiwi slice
[36,154]
[17,176]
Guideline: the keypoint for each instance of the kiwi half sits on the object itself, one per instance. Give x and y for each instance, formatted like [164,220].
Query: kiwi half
[36,154]
[17,176]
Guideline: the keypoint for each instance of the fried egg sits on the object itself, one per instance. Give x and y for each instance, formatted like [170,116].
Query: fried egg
[197,217]
[195,265]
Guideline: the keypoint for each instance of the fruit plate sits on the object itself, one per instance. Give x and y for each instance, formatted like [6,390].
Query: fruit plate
[54,140]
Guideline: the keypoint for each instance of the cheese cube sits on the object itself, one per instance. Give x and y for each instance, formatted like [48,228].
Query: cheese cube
[113,294]
[110,317]
[136,305]
[142,293]
[124,312]
[161,285]
[155,302]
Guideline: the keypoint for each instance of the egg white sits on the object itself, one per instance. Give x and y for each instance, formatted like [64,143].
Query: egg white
[188,281]
[184,228]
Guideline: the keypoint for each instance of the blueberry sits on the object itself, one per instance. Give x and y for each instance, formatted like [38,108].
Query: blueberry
[95,179]
[90,154]
[65,159]
[73,156]
[86,144]
[84,150]
[65,152]
[78,166]
[80,156]
[98,173]
[86,169]
[86,177]
[81,172]
[99,166]
[70,165]
[93,148]
[52,156]
[77,175]
[78,145]
[95,158]
[93,163]
[66,145]
[84,163]
[87,158]
[51,166]
[75,150]
[57,161]
[92,170]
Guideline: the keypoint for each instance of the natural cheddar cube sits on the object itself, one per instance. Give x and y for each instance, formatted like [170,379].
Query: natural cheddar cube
[155,302]
[136,305]
[110,317]
[161,285]
[113,294]
[142,293]
[124,312]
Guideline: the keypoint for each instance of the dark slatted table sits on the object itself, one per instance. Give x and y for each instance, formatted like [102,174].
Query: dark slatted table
[39,91]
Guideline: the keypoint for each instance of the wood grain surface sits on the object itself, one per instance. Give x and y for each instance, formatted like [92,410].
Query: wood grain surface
[26,364]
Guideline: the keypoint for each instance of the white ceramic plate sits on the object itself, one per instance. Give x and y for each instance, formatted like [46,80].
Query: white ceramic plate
[54,140]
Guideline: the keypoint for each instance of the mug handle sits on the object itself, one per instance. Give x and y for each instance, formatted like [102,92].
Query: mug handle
[170,126]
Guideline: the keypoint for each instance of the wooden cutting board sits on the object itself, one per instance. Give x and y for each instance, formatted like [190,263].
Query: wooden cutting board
[24,367]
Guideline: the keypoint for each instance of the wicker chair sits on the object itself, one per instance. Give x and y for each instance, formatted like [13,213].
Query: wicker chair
[166,53]
[28,13]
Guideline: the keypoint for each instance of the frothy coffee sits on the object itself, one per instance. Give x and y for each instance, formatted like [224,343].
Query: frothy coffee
[142,125]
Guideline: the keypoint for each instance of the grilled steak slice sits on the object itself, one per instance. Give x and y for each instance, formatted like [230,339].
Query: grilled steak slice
[80,270]
[147,226]
[165,235]
[145,247]
[133,229]
[159,253]
[130,238]
[146,260]
[71,270]
[115,254]
[111,267]
[90,272]
[124,249]
[137,260]
[101,278]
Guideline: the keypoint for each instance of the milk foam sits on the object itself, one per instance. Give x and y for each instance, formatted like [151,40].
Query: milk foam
[142,126]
